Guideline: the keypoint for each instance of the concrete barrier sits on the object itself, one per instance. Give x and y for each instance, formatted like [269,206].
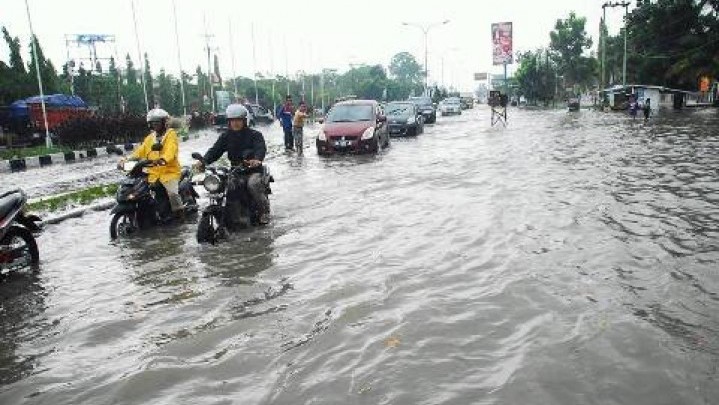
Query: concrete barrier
[16,165]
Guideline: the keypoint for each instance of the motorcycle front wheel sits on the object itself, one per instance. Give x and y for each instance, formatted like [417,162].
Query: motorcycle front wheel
[123,224]
[209,229]
[19,243]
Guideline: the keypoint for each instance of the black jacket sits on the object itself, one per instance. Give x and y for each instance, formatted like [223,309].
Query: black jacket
[239,145]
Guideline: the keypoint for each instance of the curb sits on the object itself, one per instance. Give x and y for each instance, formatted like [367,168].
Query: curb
[78,212]
[22,164]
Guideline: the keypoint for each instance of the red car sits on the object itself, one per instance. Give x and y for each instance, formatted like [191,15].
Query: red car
[355,126]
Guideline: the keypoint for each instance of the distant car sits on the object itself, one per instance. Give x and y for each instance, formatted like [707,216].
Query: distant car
[424,104]
[403,118]
[356,126]
[467,100]
[450,106]
[573,104]
[260,114]
[220,120]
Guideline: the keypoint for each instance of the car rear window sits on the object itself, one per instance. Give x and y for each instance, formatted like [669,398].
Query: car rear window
[351,113]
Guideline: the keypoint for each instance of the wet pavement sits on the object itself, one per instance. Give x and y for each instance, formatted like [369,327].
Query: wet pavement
[566,259]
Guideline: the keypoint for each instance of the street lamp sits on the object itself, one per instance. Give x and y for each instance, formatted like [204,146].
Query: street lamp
[425,30]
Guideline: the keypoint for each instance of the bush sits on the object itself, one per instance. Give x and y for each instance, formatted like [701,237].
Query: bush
[96,131]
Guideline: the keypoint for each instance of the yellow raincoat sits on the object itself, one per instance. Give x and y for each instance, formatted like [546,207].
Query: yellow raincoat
[170,151]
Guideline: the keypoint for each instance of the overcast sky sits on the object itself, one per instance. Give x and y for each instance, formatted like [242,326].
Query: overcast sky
[317,33]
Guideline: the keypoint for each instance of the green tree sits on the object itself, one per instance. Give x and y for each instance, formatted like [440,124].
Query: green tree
[536,76]
[14,79]
[217,77]
[149,84]
[407,77]
[569,41]
[130,71]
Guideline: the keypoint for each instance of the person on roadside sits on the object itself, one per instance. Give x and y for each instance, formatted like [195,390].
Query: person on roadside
[244,147]
[285,113]
[298,123]
[647,109]
[633,106]
[161,147]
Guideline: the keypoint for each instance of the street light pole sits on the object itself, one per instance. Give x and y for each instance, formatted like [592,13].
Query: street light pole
[48,140]
[425,30]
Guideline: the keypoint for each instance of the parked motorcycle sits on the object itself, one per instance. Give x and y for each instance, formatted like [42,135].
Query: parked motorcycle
[141,205]
[18,247]
[219,182]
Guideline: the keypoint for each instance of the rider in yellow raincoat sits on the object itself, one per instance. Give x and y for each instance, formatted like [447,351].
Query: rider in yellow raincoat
[161,146]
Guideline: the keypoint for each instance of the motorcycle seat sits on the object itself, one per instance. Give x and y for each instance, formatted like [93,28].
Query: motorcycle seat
[10,201]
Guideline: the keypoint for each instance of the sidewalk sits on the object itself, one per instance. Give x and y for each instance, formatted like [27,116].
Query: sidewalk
[22,164]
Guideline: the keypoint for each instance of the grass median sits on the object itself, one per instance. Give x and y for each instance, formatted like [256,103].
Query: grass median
[80,197]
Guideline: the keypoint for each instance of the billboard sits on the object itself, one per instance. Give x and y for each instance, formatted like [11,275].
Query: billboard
[502,43]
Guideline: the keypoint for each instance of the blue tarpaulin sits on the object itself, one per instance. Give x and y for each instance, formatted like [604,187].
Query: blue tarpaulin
[19,108]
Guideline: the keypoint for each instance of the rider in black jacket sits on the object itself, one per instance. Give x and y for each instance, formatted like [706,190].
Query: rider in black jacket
[244,146]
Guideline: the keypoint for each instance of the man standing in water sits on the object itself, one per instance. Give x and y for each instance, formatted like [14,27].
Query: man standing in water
[298,122]
[647,109]
[285,114]
[633,106]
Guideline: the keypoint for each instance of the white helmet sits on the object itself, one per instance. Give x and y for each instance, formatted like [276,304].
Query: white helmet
[235,111]
[157,114]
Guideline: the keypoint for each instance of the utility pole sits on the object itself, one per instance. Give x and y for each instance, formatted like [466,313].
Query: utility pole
[209,50]
[287,70]
[48,140]
[232,56]
[603,44]
[272,72]
[624,4]
[254,62]
[179,59]
[139,57]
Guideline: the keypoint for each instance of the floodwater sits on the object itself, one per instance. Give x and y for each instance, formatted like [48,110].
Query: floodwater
[570,258]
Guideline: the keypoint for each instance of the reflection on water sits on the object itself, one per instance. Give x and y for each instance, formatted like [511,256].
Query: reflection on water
[568,258]
[21,316]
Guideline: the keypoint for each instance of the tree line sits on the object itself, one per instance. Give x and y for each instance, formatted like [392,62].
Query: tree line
[119,88]
[670,43]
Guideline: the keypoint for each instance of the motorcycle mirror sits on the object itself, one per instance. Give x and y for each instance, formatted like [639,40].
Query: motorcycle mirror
[129,165]
[197,156]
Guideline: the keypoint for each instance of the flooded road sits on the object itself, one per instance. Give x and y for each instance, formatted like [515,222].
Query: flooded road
[566,259]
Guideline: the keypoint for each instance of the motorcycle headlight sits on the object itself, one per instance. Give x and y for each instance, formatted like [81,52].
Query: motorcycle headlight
[368,133]
[321,135]
[212,183]
[410,120]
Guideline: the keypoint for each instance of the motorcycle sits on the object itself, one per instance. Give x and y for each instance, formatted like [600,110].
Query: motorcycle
[221,181]
[141,205]
[18,247]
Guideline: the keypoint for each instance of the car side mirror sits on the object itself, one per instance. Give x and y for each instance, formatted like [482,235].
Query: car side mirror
[381,118]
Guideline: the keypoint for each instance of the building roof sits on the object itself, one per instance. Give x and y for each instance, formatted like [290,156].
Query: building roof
[661,89]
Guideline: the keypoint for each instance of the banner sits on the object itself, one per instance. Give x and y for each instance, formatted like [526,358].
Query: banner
[502,43]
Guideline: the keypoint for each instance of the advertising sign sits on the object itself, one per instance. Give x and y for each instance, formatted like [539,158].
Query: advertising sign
[502,43]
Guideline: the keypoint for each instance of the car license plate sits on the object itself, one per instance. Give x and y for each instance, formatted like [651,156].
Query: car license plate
[342,144]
